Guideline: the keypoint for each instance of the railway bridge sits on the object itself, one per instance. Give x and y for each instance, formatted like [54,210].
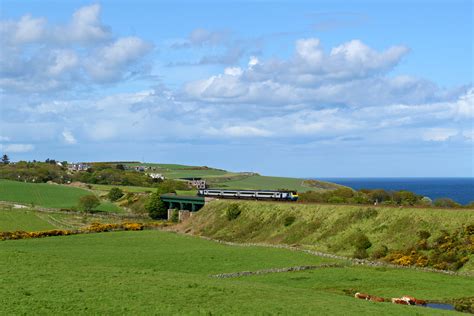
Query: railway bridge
[185,204]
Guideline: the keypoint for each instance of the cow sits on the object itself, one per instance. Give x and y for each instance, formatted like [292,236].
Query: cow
[362,296]
[374,298]
[400,301]
[413,301]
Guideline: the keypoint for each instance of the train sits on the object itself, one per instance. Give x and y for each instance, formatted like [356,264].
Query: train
[279,195]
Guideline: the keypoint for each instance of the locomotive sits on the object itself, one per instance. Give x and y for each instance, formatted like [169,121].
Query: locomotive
[280,195]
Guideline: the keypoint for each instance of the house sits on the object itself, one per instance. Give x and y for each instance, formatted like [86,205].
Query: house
[156,176]
[78,166]
[198,183]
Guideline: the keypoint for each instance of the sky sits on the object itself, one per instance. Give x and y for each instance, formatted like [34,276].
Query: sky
[285,88]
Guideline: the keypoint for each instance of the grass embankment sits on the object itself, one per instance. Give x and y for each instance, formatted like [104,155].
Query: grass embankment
[326,228]
[165,273]
[47,195]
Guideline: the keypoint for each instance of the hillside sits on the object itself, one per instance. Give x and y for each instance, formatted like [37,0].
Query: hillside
[326,228]
[237,180]
[47,195]
[166,273]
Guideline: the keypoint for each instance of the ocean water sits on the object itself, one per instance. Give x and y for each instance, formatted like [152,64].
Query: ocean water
[460,190]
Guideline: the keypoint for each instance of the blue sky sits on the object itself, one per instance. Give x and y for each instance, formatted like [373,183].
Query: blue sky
[301,88]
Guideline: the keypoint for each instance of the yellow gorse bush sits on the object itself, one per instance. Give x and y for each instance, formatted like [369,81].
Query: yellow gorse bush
[92,228]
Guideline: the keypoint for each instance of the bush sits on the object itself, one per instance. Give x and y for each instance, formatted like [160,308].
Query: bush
[174,216]
[88,202]
[155,207]
[289,220]
[360,254]
[361,241]
[336,199]
[445,202]
[379,252]
[233,211]
[423,234]
[115,194]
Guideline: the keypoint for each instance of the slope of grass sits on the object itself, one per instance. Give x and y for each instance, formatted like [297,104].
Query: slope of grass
[165,273]
[11,220]
[46,195]
[327,228]
[257,182]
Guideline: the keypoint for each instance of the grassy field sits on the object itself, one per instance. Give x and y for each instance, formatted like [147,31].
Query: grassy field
[326,228]
[256,182]
[233,180]
[47,195]
[165,273]
[11,220]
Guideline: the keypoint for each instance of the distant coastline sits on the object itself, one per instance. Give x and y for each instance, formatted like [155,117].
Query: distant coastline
[460,190]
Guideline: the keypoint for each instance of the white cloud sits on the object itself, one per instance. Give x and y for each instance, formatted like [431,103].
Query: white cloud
[4,139]
[439,134]
[110,61]
[38,56]
[69,137]
[351,74]
[16,148]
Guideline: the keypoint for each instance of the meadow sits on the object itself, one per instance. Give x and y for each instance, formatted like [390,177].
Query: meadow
[257,182]
[47,195]
[167,273]
[326,228]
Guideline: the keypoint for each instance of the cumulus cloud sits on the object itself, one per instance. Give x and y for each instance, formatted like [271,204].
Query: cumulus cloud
[351,74]
[38,56]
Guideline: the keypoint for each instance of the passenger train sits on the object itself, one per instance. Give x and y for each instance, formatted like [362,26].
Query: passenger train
[250,194]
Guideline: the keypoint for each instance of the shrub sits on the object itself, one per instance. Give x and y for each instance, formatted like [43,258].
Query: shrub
[423,234]
[379,252]
[289,220]
[88,202]
[155,207]
[445,202]
[360,253]
[233,211]
[361,241]
[336,199]
[174,216]
[115,194]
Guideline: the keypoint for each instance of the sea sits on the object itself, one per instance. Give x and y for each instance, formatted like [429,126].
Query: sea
[460,190]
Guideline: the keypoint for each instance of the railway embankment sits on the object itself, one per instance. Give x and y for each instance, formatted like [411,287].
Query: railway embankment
[425,238]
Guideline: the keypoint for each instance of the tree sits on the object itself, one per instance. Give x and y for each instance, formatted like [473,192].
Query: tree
[88,202]
[5,160]
[155,207]
[115,194]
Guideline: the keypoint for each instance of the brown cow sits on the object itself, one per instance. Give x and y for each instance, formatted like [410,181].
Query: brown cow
[362,296]
[413,301]
[376,299]
[400,301]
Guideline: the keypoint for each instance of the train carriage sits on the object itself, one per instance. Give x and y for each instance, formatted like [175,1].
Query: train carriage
[280,195]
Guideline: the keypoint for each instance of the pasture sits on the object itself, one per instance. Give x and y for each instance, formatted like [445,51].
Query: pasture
[166,273]
[326,228]
[11,220]
[47,195]
[257,182]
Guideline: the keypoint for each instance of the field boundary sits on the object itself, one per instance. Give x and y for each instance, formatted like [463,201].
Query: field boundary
[276,270]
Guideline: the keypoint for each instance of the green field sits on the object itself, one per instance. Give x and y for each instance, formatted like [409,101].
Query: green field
[166,273]
[11,220]
[256,182]
[326,228]
[47,195]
